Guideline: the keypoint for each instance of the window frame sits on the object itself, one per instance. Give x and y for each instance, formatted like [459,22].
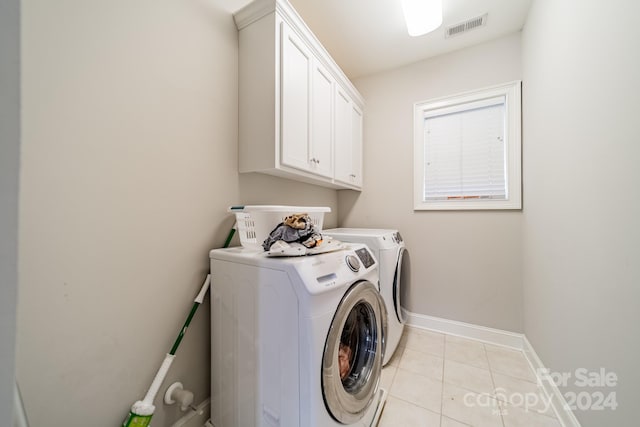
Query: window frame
[513,145]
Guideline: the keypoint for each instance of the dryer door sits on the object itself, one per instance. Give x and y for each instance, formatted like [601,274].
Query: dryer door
[353,352]
[399,280]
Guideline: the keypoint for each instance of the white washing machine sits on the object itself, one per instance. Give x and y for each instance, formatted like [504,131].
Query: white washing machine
[296,341]
[389,249]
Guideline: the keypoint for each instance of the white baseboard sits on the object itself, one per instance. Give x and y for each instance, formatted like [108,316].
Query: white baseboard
[502,338]
[560,406]
[466,330]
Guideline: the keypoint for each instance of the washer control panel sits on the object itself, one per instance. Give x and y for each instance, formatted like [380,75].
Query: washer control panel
[365,257]
[323,272]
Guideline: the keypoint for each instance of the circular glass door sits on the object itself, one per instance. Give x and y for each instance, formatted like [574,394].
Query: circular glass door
[353,352]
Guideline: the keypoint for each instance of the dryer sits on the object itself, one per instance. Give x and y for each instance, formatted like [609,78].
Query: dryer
[296,341]
[389,249]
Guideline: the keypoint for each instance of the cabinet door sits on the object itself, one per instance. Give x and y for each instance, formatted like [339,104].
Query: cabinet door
[356,146]
[348,140]
[295,83]
[321,161]
[342,137]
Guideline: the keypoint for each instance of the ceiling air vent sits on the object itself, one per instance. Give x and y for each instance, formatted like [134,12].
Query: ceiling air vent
[465,26]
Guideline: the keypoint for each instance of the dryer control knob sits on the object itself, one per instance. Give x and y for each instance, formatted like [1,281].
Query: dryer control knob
[353,263]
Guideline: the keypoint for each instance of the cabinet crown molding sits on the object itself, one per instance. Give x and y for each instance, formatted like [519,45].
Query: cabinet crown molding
[252,12]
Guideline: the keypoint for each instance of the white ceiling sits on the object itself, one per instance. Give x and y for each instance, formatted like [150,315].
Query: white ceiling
[368,36]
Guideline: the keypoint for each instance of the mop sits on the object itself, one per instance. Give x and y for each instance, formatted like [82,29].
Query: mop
[142,411]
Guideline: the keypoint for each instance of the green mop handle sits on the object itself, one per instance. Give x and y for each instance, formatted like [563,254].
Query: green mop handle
[198,300]
[196,303]
[230,236]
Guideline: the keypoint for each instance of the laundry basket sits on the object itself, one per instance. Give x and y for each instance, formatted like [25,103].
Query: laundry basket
[255,223]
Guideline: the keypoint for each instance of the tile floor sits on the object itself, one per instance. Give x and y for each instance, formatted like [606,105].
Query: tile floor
[438,380]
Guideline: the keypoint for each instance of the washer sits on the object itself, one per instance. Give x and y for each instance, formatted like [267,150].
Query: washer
[389,248]
[296,341]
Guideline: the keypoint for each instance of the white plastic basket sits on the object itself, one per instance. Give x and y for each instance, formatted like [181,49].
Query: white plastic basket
[255,222]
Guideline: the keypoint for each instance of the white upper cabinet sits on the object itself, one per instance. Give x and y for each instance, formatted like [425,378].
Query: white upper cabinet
[296,107]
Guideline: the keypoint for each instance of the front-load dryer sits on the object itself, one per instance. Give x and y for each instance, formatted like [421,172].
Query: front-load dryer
[389,249]
[296,341]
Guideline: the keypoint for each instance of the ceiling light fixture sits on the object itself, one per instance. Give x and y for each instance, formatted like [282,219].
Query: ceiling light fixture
[422,16]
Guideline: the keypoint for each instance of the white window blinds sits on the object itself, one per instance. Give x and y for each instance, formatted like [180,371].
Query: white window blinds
[465,152]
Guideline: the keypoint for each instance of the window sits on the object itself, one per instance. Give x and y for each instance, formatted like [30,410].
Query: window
[467,150]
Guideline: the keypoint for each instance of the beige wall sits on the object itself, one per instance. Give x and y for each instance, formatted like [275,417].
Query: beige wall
[581,64]
[129,164]
[9,172]
[465,265]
